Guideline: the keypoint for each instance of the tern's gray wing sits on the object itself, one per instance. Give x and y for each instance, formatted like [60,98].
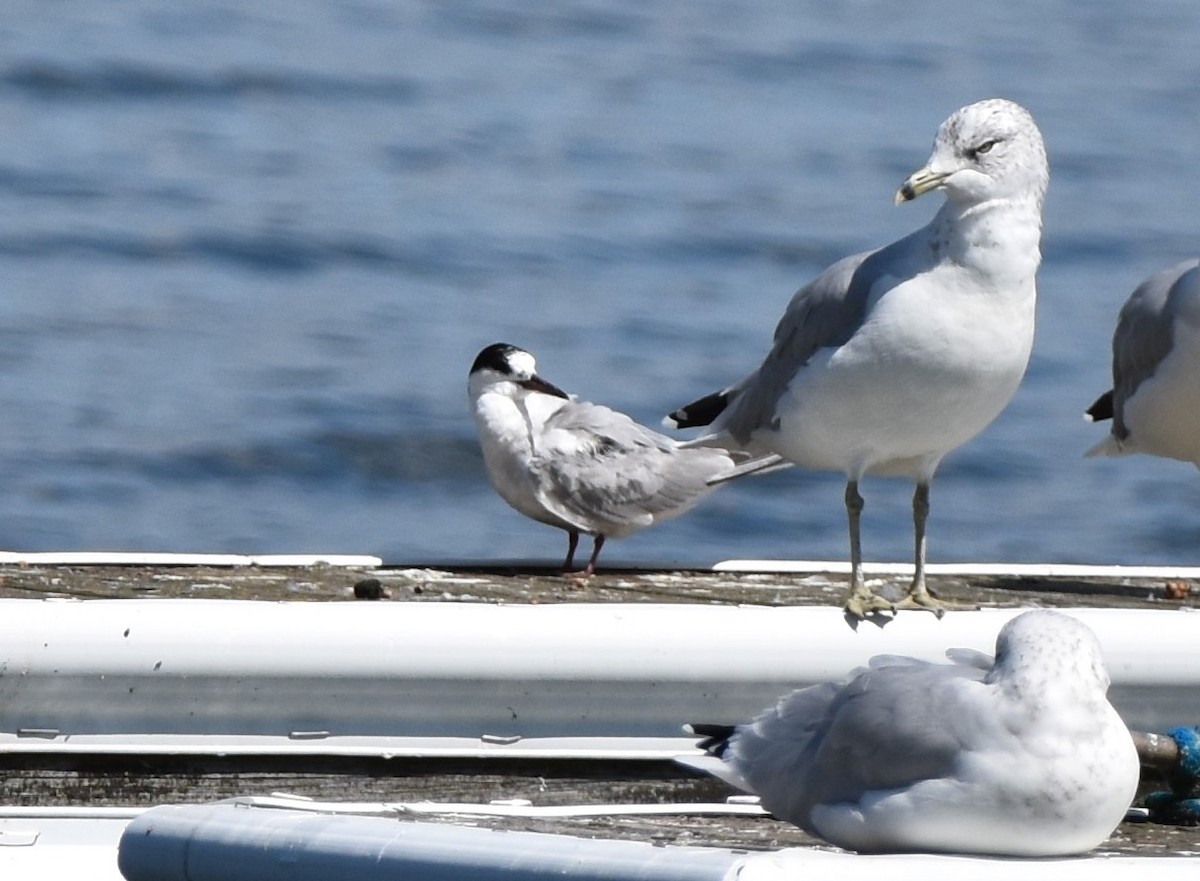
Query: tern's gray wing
[890,726]
[1144,333]
[602,470]
[825,312]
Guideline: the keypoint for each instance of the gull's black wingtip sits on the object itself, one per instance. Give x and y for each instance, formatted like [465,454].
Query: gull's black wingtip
[700,413]
[1102,408]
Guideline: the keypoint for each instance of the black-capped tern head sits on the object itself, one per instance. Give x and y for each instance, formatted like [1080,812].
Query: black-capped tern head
[506,363]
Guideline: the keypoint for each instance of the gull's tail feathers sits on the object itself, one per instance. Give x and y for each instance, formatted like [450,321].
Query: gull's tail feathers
[699,413]
[714,767]
[714,738]
[1102,408]
[714,741]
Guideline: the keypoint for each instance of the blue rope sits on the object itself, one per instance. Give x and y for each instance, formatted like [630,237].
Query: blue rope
[1189,753]
[1181,805]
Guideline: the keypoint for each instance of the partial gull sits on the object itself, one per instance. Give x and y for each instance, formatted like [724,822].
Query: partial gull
[1154,403]
[579,466]
[1023,756]
[891,358]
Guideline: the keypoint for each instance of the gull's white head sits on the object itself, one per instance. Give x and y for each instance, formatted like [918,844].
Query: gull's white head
[505,369]
[987,150]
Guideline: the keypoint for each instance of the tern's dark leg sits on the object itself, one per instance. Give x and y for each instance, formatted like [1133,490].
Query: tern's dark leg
[597,544]
[572,543]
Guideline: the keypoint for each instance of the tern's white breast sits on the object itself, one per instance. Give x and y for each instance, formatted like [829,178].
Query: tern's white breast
[508,435]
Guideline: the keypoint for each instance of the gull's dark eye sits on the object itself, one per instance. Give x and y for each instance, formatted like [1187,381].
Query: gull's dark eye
[975,152]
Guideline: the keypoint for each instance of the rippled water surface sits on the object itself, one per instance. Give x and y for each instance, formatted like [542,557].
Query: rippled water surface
[250,250]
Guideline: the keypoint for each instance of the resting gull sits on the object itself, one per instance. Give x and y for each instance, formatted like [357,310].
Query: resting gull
[1154,403]
[1023,756]
[579,466]
[891,358]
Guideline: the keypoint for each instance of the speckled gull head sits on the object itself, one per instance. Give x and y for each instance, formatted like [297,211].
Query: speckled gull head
[1048,651]
[987,150]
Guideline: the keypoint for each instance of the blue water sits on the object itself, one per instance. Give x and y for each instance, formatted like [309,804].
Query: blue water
[249,251]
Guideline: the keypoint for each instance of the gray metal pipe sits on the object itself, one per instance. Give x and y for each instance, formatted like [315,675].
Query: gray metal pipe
[229,842]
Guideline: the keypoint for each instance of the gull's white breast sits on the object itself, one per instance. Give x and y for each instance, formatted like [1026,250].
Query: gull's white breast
[935,361]
[1163,414]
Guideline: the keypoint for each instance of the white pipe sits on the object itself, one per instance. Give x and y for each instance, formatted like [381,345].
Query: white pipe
[122,558]
[999,570]
[40,847]
[745,806]
[309,671]
[659,749]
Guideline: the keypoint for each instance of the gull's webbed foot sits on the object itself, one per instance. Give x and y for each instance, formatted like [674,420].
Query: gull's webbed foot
[922,598]
[863,605]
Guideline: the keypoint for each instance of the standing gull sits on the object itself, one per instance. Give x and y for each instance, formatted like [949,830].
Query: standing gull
[575,465]
[1154,403]
[1020,756]
[891,358]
